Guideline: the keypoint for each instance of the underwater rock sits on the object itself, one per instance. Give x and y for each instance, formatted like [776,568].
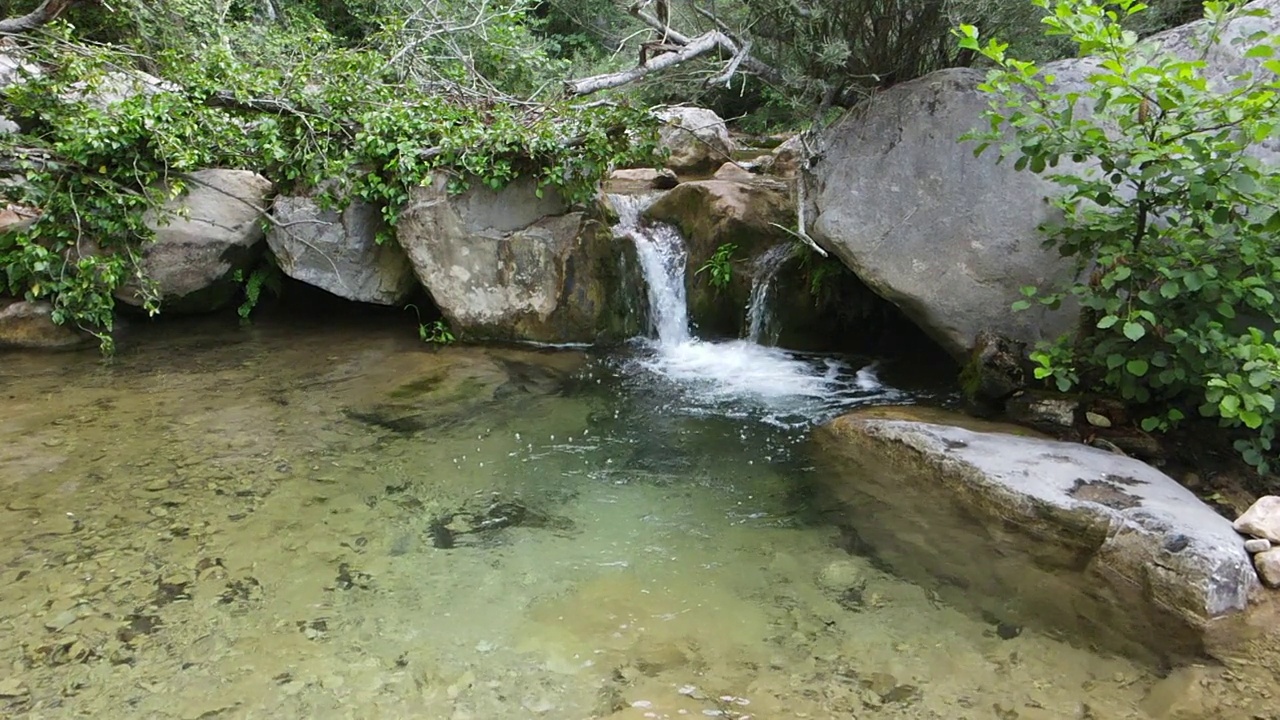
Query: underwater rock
[840,576]
[1045,533]
[483,517]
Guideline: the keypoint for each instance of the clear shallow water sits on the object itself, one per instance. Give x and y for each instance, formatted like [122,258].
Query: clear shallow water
[253,523]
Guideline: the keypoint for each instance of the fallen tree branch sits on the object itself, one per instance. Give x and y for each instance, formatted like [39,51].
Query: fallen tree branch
[47,12]
[726,77]
[766,72]
[713,40]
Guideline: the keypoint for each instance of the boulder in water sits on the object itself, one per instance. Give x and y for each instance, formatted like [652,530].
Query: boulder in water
[202,238]
[338,250]
[28,325]
[1038,532]
[510,265]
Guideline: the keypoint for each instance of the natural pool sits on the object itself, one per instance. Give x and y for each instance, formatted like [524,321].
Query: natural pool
[287,521]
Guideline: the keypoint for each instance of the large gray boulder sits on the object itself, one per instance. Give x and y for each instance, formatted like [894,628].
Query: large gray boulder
[337,250]
[509,265]
[202,238]
[1038,533]
[950,238]
[696,139]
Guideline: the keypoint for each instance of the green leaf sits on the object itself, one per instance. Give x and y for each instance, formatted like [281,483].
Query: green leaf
[1134,331]
[1137,367]
[1107,321]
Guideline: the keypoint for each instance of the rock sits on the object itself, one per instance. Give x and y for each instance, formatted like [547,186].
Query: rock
[13,687]
[1262,519]
[1096,419]
[696,138]
[840,576]
[217,231]
[711,213]
[950,238]
[338,251]
[29,325]
[1181,696]
[16,218]
[1039,533]
[1043,410]
[1257,545]
[508,265]
[1268,565]
[733,171]
[994,371]
[786,159]
[632,179]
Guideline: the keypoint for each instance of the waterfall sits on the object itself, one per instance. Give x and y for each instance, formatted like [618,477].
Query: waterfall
[662,258]
[782,387]
[764,271]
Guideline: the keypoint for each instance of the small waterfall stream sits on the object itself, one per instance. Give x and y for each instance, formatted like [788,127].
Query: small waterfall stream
[760,329]
[662,257]
[788,387]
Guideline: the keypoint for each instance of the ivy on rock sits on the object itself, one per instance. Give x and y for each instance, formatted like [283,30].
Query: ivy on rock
[101,146]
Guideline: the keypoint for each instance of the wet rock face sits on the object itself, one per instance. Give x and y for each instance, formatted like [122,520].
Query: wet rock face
[948,237]
[696,138]
[205,236]
[745,211]
[27,325]
[1040,532]
[337,251]
[509,265]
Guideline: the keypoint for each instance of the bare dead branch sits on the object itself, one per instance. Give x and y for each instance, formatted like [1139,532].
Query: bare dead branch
[47,12]
[705,43]
[727,76]
[762,70]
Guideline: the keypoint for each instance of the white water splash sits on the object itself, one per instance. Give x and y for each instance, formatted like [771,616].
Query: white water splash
[739,374]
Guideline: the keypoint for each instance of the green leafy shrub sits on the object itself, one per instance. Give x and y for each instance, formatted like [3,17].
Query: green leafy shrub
[1174,226]
[98,169]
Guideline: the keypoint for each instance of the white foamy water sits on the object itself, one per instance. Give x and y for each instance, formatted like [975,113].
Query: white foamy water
[788,388]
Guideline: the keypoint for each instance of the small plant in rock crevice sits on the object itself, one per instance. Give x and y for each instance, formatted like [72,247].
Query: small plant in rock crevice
[266,276]
[719,267]
[436,332]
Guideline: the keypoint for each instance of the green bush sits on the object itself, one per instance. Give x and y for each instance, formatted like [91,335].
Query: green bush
[239,94]
[1175,228]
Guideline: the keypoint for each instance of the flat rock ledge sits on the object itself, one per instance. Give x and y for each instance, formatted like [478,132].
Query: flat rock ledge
[1098,547]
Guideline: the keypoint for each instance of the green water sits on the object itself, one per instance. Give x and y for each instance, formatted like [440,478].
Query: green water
[340,523]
